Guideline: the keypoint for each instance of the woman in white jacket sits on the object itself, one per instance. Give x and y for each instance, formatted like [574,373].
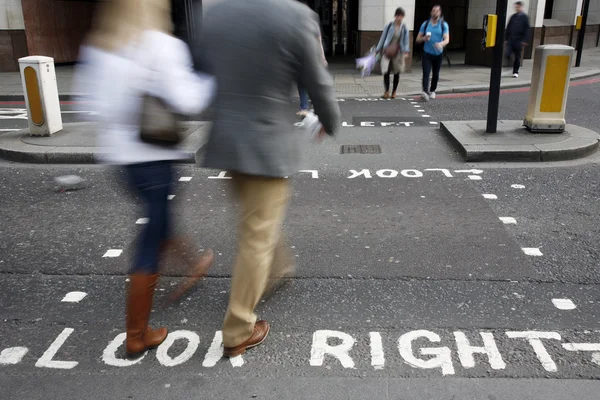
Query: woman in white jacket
[131,52]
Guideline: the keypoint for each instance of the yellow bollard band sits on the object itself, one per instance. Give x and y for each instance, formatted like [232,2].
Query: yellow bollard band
[34,97]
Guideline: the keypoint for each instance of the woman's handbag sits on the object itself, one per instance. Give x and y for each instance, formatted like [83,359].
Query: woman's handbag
[158,124]
[391,50]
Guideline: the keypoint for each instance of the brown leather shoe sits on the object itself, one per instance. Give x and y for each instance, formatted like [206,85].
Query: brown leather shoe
[393,95]
[140,337]
[386,95]
[260,333]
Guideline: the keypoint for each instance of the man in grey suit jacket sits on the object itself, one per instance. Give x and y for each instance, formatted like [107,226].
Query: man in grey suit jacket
[258,50]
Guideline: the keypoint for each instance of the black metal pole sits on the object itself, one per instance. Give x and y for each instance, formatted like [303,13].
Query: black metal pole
[581,36]
[496,74]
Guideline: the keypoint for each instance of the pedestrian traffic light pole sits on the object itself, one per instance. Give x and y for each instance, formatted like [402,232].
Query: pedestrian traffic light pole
[496,75]
[581,36]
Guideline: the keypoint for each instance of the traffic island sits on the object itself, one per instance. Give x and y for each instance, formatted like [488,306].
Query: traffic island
[513,142]
[76,144]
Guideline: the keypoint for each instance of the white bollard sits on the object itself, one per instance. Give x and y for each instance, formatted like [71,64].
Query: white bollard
[41,95]
[549,87]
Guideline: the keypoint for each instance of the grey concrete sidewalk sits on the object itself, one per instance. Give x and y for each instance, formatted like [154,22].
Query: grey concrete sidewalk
[348,82]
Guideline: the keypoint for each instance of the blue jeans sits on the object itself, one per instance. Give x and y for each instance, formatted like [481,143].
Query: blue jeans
[303,98]
[152,182]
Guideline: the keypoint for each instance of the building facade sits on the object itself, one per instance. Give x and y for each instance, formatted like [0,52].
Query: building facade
[56,28]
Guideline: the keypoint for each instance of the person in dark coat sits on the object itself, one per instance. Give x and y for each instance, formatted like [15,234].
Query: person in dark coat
[517,36]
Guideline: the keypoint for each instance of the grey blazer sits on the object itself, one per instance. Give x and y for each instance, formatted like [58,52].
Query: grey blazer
[258,50]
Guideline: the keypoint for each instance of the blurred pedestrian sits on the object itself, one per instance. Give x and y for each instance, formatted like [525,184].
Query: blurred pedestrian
[517,36]
[132,57]
[253,137]
[435,35]
[394,46]
[301,91]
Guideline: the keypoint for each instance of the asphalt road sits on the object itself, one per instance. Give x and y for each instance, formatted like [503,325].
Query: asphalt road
[416,275]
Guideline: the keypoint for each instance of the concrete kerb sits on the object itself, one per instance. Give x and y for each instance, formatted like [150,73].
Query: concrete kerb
[13,148]
[514,143]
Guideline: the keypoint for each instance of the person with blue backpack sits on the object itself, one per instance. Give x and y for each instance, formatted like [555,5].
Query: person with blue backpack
[435,35]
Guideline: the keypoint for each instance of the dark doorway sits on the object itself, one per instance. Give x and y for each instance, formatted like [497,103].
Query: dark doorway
[339,25]
[183,13]
[455,14]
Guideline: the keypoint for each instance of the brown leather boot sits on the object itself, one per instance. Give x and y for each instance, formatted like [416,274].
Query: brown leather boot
[196,272]
[393,95]
[260,333]
[386,95]
[140,337]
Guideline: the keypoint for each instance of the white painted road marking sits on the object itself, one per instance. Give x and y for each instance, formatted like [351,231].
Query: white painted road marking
[490,196]
[109,355]
[337,348]
[74,297]
[466,351]
[314,173]
[321,347]
[532,251]
[377,355]
[162,353]
[222,175]
[144,221]
[46,361]
[443,355]
[517,186]
[564,304]
[592,347]
[475,177]
[185,179]
[12,355]
[382,173]
[534,339]
[172,196]
[425,116]
[215,353]
[113,253]
[508,220]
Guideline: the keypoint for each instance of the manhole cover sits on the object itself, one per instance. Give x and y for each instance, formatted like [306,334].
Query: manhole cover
[360,149]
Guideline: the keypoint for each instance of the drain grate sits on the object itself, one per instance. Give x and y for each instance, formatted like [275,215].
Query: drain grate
[360,149]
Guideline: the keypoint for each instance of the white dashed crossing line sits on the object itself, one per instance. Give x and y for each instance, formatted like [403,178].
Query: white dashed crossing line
[12,355]
[508,220]
[142,221]
[185,179]
[517,186]
[475,177]
[564,304]
[532,251]
[113,253]
[170,197]
[490,196]
[74,297]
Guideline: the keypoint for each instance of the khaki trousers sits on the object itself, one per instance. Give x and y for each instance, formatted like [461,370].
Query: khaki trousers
[263,202]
